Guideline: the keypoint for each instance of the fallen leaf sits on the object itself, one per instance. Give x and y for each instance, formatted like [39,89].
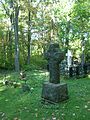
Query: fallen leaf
[3,114]
[77,107]
[43,118]
[36,114]
[88,102]
[74,114]
[86,106]
[54,118]
[25,108]
[52,114]
[63,114]
[36,109]
[15,118]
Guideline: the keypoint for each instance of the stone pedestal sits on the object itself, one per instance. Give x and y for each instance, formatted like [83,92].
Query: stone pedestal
[54,92]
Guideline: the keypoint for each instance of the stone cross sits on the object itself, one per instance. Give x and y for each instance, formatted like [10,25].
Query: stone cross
[54,91]
[54,57]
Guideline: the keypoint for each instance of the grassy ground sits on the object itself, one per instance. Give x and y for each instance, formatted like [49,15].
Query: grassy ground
[16,105]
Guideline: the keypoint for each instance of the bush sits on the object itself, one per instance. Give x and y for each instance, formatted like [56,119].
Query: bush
[37,62]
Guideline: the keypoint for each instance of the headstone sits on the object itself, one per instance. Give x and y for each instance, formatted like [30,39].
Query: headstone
[85,69]
[69,58]
[71,71]
[88,67]
[77,71]
[63,68]
[53,90]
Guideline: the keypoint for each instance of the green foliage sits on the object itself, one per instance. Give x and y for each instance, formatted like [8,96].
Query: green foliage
[81,15]
[61,21]
[37,62]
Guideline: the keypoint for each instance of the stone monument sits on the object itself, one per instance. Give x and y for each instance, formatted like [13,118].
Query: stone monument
[53,90]
[69,58]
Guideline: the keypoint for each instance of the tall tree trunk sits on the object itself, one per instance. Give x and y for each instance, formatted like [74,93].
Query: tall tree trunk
[82,47]
[23,46]
[10,34]
[67,40]
[29,34]
[3,51]
[43,39]
[29,37]
[10,47]
[16,38]
[67,36]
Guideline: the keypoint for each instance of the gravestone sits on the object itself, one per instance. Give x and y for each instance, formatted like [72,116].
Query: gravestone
[69,58]
[77,71]
[71,71]
[85,69]
[53,90]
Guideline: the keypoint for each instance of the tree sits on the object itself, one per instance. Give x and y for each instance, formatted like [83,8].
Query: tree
[29,31]
[16,14]
[80,21]
[12,11]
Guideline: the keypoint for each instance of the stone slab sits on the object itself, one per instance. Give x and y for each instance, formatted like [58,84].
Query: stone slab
[54,92]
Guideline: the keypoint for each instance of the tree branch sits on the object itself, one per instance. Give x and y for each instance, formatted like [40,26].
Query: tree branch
[7,10]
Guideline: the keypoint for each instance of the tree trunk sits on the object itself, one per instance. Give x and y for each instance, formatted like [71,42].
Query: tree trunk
[67,40]
[67,36]
[3,52]
[10,34]
[29,34]
[29,37]
[16,39]
[82,56]
[10,47]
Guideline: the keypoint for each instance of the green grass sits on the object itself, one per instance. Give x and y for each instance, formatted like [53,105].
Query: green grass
[27,106]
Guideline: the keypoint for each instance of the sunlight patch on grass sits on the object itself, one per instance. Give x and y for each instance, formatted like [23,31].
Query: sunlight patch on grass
[8,76]
[88,76]
[45,73]
[2,88]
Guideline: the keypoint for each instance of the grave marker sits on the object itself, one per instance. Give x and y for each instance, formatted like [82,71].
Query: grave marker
[53,90]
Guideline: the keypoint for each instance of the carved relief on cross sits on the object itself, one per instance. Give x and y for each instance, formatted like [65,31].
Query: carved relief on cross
[54,57]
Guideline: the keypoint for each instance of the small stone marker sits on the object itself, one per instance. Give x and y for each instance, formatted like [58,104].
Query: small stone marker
[71,71]
[77,71]
[85,69]
[53,90]
[69,58]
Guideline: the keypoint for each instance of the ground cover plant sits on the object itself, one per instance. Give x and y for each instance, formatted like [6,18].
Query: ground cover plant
[17,105]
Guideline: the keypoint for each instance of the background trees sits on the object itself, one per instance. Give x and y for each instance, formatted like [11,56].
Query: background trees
[81,24]
[27,27]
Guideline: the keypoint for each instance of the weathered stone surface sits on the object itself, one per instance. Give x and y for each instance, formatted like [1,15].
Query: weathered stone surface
[71,71]
[54,92]
[54,57]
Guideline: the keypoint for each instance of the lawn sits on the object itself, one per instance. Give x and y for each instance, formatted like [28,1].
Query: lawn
[16,105]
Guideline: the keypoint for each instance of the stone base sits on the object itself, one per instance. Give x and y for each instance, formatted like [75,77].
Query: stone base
[54,92]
